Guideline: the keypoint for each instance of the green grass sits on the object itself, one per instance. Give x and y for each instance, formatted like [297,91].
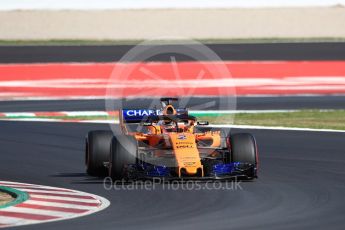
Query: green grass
[332,119]
[319,119]
[134,42]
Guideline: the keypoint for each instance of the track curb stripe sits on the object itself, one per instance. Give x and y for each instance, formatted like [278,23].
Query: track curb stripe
[28,216]
[43,207]
[73,114]
[40,189]
[203,113]
[70,114]
[46,204]
[211,125]
[62,195]
[63,201]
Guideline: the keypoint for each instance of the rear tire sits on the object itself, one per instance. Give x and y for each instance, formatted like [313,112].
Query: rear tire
[97,152]
[244,150]
[124,151]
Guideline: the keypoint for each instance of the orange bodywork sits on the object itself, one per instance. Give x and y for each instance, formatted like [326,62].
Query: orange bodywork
[186,153]
[183,144]
[184,147]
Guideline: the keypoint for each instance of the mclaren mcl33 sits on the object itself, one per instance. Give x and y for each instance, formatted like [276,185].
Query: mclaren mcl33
[169,143]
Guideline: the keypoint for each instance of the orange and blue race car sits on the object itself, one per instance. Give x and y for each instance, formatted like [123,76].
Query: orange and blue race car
[169,143]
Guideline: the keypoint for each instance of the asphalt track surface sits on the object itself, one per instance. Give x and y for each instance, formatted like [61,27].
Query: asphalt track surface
[301,183]
[243,103]
[270,51]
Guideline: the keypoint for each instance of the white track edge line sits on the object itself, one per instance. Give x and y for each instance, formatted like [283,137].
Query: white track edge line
[216,126]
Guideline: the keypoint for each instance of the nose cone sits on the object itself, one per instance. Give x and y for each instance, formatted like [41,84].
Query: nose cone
[186,153]
[191,170]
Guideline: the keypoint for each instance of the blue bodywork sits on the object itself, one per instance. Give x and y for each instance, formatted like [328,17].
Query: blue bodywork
[157,171]
[217,170]
[137,115]
[225,169]
[150,170]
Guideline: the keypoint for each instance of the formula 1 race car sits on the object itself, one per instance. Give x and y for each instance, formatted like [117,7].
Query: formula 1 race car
[169,143]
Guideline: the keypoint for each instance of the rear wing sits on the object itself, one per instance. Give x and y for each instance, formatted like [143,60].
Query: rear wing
[136,116]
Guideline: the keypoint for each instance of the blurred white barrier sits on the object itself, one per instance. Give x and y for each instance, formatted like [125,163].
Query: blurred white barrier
[303,22]
[156,4]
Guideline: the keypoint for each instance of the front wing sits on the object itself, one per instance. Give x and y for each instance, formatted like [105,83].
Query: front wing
[221,171]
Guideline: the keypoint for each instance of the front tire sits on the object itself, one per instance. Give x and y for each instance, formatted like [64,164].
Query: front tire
[124,151]
[243,149]
[97,152]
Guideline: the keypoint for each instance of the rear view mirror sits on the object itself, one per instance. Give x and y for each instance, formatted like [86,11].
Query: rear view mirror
[202,123]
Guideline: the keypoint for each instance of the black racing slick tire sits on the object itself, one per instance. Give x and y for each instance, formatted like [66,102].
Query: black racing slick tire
[124,152]
[97,152]
[244,150]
